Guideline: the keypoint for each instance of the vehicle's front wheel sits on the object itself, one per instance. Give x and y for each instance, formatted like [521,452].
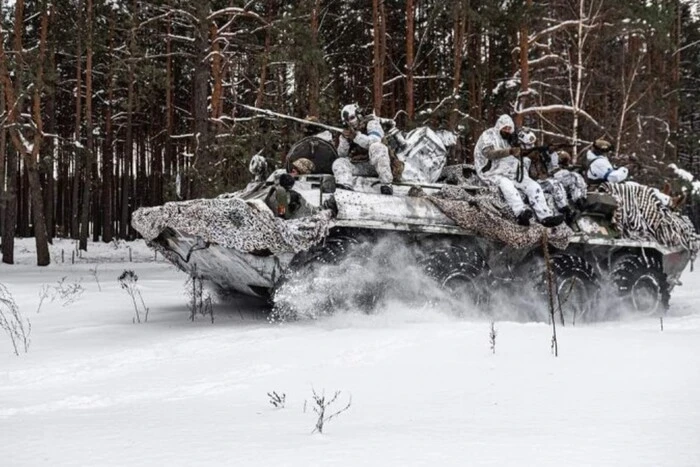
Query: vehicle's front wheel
[575,288]
[642,284]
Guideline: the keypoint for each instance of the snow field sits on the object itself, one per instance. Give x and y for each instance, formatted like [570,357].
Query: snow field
[96,389]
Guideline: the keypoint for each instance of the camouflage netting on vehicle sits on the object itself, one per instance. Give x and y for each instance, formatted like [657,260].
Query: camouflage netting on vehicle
[487,215]
[641,216]
[234,223]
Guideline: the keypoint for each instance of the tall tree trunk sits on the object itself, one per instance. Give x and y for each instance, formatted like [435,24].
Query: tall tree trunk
[28,153]
[170,162]
[108,150]
[48,163]
[89,154]
[260,98]
[77,147]
[43,257]
[674,103]
[9,229]
[410,41]
[201,140]
[377,65]
[3,159]
[128,155]
[474,60]
[460,20]
[523,96]
[315,73]
[217,76]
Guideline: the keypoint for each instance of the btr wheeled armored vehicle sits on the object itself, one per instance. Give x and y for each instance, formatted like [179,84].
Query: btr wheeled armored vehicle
[461,237]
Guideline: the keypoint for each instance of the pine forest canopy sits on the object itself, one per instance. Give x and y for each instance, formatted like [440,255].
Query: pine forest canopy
[110,105]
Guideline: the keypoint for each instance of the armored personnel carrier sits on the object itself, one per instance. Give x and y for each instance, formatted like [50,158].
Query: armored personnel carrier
[462,237]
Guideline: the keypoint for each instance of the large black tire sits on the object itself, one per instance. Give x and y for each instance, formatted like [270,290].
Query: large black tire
[641,283]
[575,289]
[462,272]
[330,252]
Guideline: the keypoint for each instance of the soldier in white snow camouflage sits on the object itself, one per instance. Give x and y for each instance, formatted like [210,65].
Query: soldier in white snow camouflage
[361,151]
[498,162]
[574,183]
[550,184]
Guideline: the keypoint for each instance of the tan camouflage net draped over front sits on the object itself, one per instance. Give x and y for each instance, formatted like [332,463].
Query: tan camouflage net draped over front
[234,223]
[487,215]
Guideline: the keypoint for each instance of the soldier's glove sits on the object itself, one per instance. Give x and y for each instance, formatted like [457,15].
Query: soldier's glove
[356,158]
[514,152]
[349,134]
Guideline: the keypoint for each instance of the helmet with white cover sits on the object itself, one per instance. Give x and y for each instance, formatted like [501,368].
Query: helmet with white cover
[350,114]
[526,137]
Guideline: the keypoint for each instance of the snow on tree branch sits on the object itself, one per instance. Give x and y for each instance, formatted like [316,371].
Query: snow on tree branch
[557,108]
[557,27]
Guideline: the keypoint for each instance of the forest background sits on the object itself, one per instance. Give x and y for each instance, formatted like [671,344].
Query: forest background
[110,105]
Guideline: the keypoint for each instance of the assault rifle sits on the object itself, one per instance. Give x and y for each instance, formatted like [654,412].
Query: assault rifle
[542,154]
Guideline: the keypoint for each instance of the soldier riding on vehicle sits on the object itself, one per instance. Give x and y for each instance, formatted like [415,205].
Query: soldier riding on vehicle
[497,161]
[361,151]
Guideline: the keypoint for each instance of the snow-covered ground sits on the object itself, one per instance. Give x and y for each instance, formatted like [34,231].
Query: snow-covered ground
[97,390]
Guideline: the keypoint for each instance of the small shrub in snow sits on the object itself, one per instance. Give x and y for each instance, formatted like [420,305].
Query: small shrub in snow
[68,292]
[200,301]
[492,337]
[12,322]
[128,280]
[322,405]
[277,400]
[65,291]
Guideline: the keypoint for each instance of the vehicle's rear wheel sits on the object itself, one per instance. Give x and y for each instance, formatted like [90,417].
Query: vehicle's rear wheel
[575,288]
[462,272]
[641,282]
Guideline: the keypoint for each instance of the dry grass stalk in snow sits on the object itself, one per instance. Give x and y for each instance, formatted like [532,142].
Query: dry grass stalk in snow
[550,292]
[322,405]
[93,271]
[200,302]
[277,400]
[128,281]
[44,293]
[11,320]
[492,337]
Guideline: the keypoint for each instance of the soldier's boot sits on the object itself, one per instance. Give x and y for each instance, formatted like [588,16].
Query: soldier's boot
[552,221]
[524,217]
[386,190]
[569,214]
[580,204]
[331,204]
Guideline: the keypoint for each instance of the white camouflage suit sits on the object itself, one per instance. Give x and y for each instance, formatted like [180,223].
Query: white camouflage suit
[563,185]
[573,183]
[503,172]
[550,186]
[378,164]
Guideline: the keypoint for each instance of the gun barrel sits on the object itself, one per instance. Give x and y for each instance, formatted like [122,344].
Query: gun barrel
[270,113]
